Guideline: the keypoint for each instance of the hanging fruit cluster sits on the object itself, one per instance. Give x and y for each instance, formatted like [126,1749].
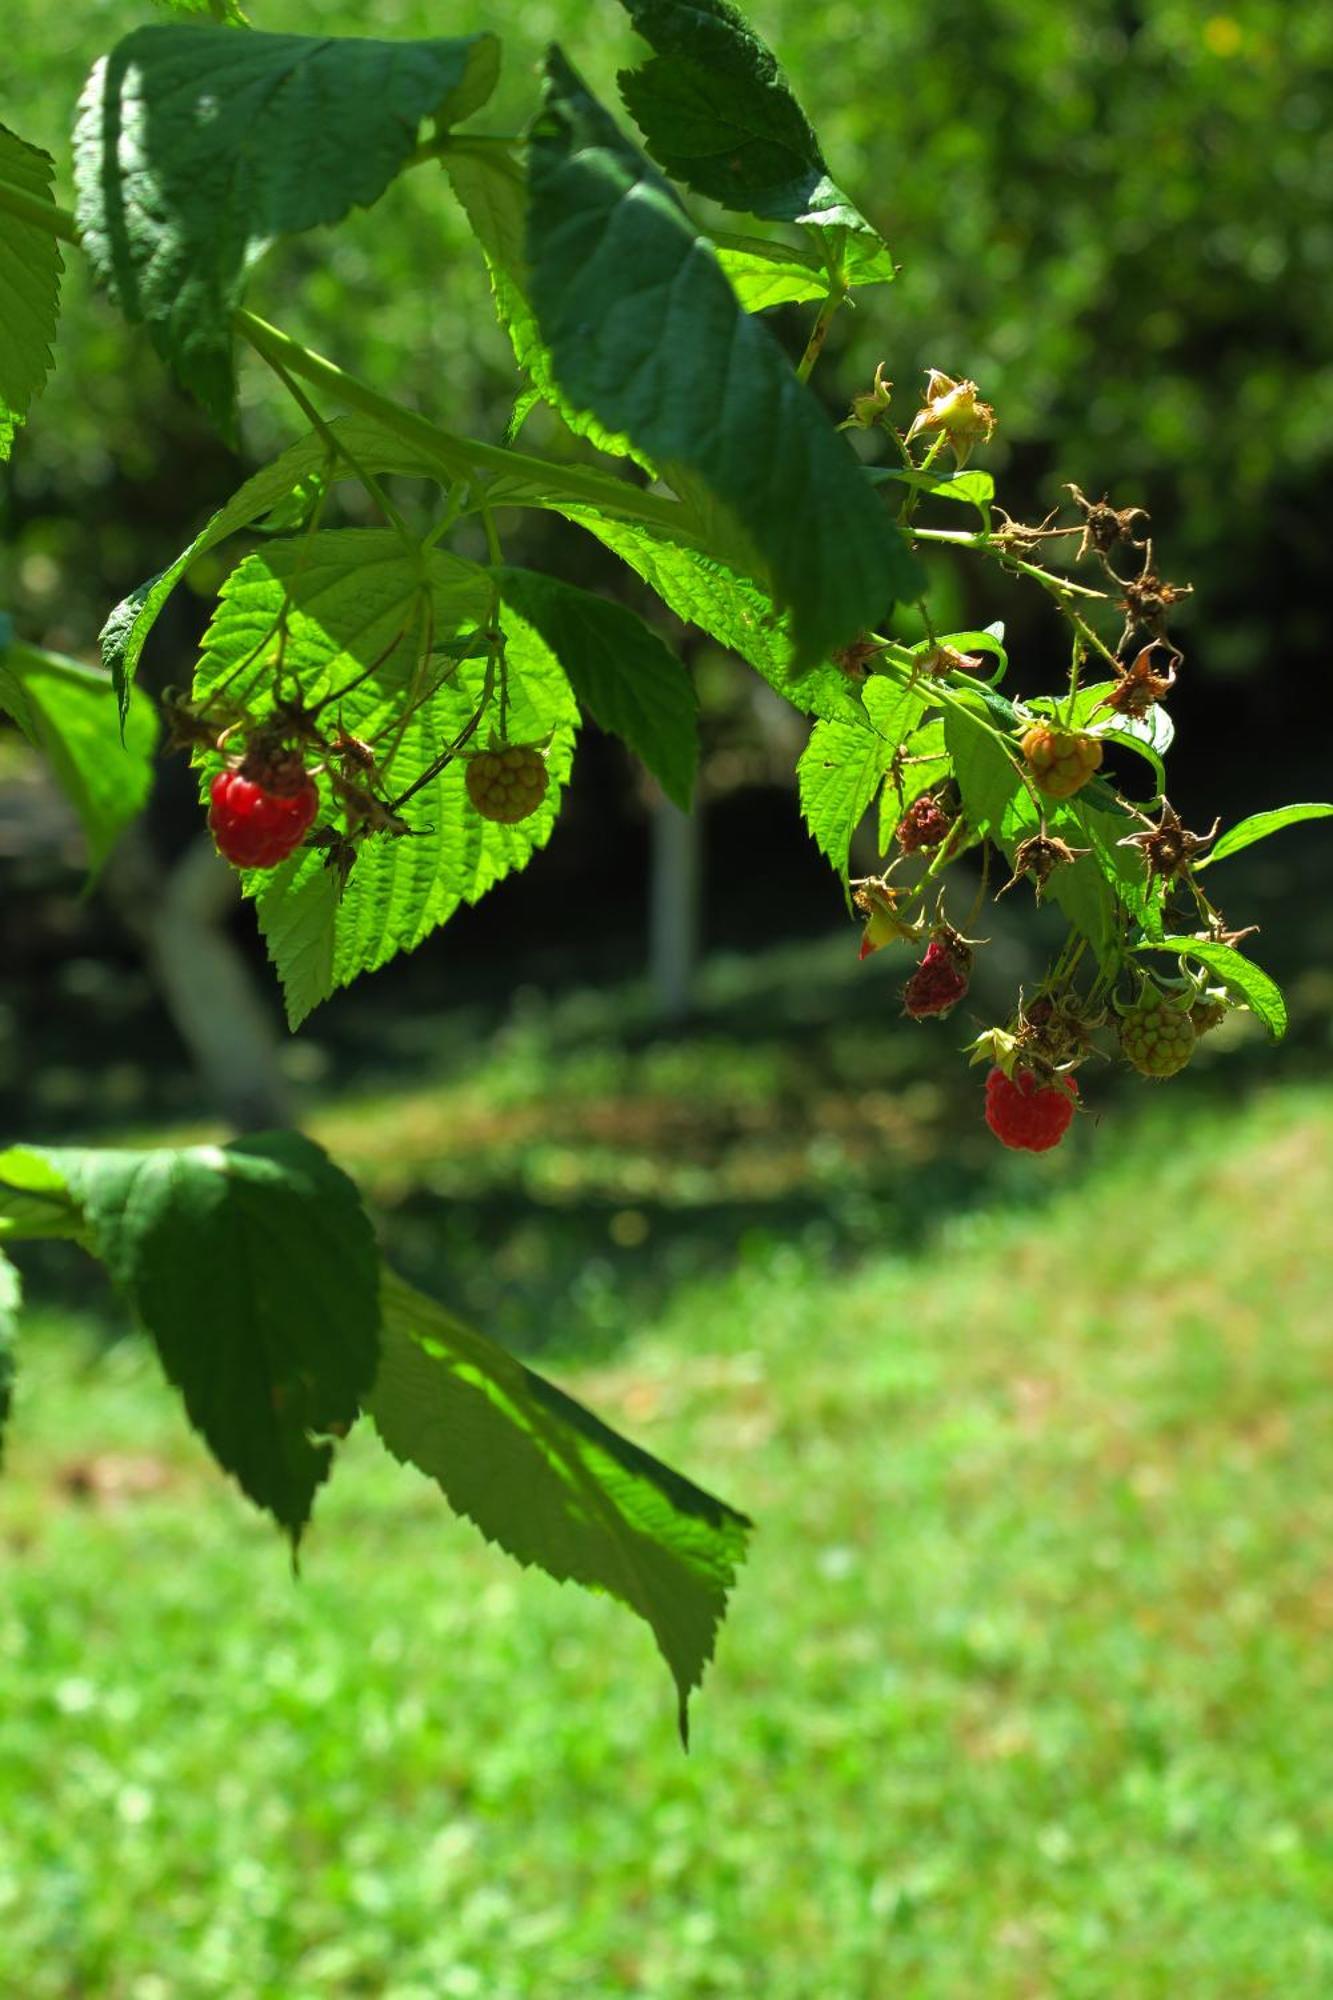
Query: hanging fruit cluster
[1026,783]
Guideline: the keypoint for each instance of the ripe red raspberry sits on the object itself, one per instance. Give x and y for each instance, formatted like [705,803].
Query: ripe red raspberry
[1157,1035]
[1027,1114]
[256,827]
[507,785]
[940,980]
[925,824]
[1060,761]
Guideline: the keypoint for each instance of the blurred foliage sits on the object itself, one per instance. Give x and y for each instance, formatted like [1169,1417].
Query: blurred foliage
[1115,217]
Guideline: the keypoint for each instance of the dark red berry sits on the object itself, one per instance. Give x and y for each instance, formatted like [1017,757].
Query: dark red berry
[1026,1113]
[255,827]
[940,980]
[923,825]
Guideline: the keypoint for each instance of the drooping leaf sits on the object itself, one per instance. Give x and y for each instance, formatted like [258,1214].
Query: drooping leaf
[1258,827]
[644,330]
[718,114]
[1240,975]
[30,267]
[68,712]
[366,616]
[621,671]
[492,187]
[549,1482]
[254,1269]
[11,1296]
[731,608]
[196,148]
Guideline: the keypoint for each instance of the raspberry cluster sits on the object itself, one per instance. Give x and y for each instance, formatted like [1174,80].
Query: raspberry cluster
[1060,761]
[1027,1114]
[923,826]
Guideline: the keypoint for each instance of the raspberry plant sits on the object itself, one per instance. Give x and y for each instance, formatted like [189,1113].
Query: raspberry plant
[382,725]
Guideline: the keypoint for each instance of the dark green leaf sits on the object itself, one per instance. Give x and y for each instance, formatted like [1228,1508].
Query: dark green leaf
[254,1269]
[69,713]
[1258,827]
[718,114]
[30,269]
[621,672]
[732,609]
[492,188]
[1240,975]
[644,330]
[195,148]
[541,1476]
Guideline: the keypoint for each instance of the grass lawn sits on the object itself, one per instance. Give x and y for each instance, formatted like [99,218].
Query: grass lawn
[1025,1691]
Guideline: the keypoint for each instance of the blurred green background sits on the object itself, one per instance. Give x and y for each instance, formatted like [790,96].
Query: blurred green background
[1024,1691]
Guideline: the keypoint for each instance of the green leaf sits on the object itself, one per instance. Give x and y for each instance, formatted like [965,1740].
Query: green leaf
[621,671]
[988,778]
[843,763]
[717,113]
[366,616]
[645,331]
[541,1476]
[764,274]
[254,1269]
[35,1202]
[195,148]
[68,712]
[1258,827]
[973,487]
[11,1297]
[1240,975]
[492,188]
[30,267]
[1081,823]
[730,608]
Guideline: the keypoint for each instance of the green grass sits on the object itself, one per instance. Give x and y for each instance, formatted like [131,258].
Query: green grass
[1024,1691]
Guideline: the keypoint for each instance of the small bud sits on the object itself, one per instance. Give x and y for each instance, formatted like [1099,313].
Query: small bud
[870,405]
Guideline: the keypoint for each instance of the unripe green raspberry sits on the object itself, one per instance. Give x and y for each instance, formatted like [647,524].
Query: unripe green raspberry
[1156,1034]
[507,783]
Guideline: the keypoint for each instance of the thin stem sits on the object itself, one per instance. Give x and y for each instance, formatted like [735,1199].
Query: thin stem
[340,449]
[814,347]
[40,214]
[454,501]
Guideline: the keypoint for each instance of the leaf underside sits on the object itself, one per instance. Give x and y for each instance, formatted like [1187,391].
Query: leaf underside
[543,1477]
[30,268]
